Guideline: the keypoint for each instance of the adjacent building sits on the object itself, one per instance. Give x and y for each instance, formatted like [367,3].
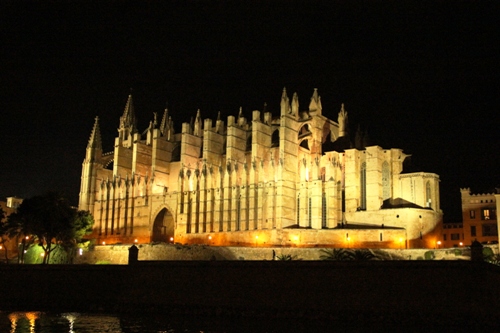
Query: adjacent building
[479,217]
[288,179]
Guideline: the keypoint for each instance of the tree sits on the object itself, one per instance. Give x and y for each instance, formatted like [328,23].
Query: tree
[335,254]
[343,254]
[81,226]
[50,220]
[3,235]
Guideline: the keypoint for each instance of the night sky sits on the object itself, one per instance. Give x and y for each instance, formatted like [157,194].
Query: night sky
[420,76]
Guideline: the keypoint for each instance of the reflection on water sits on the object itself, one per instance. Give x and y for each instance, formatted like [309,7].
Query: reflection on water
[42,322]
[39,322]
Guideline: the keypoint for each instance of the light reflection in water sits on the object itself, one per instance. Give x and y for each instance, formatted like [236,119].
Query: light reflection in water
[31,317]
[71,318]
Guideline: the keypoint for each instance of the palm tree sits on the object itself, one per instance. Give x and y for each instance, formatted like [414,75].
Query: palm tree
[335,254]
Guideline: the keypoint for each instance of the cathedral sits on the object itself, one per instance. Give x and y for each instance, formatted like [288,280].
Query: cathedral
[292,179]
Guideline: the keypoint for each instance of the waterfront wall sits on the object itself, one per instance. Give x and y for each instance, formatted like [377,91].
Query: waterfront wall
[118,254]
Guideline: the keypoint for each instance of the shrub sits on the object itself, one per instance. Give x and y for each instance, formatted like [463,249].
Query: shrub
[429,255]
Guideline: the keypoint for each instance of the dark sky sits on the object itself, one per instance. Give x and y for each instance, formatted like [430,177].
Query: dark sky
[421,76]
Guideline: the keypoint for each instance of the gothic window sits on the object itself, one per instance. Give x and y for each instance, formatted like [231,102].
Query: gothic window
[428,199]
[176,153]
[275,139]
[472,214]
[310,214]
[304,144]
[363,187]
[323,211]
[298,210]
[249,143]
[238,213]
[386,181]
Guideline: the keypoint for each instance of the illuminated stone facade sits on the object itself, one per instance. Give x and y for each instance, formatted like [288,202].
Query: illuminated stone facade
[292,180]
[479,217]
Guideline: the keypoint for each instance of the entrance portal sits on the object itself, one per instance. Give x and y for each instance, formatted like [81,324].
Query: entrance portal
[163,227]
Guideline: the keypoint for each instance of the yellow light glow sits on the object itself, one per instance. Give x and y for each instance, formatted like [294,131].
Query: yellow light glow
[401,240]
[42,254]
[135,241]
[103,243]
[256,237]
[461,244]
[209,237]
[295,238]
[0,247]
[171,239]
[439,242]
[27,237]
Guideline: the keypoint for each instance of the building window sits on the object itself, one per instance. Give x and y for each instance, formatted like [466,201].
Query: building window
[488,214]
[473,230]
[310,213]
[428,199]
[323,211]
[298,210]
[386,181]
[490,230]
[363,187]
[455,236]
[472,214]
[444,237]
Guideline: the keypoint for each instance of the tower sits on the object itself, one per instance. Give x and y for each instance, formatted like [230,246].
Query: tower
[91,163]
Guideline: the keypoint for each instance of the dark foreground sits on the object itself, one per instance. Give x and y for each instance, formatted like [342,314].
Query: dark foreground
[399,292]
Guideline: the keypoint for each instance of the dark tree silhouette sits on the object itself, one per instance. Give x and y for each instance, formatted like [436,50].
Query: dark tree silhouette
[49,220]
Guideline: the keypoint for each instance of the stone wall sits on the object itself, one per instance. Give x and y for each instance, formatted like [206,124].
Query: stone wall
[118,254]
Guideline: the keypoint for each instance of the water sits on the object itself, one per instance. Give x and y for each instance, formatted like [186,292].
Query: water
[42,322]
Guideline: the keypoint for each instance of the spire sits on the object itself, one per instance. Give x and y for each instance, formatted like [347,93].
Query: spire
[315,104]
[164,123]
[95,136]
[295,104]
[197,124]
[342,120]
[285,103]
[128,121]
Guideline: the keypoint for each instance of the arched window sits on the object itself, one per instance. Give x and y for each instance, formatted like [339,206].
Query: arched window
[428,200]
[386,181]
[362,204]
[249,143]
[275,139]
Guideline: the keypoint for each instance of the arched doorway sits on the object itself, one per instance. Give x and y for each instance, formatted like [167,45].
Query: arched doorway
[163,227]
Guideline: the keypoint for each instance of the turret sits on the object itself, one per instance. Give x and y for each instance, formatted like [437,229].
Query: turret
[128,123]
[342,120]
[295,104]
[285,103]
[315,105]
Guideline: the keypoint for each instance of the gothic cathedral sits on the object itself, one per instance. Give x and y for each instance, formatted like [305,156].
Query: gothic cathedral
[291,180]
